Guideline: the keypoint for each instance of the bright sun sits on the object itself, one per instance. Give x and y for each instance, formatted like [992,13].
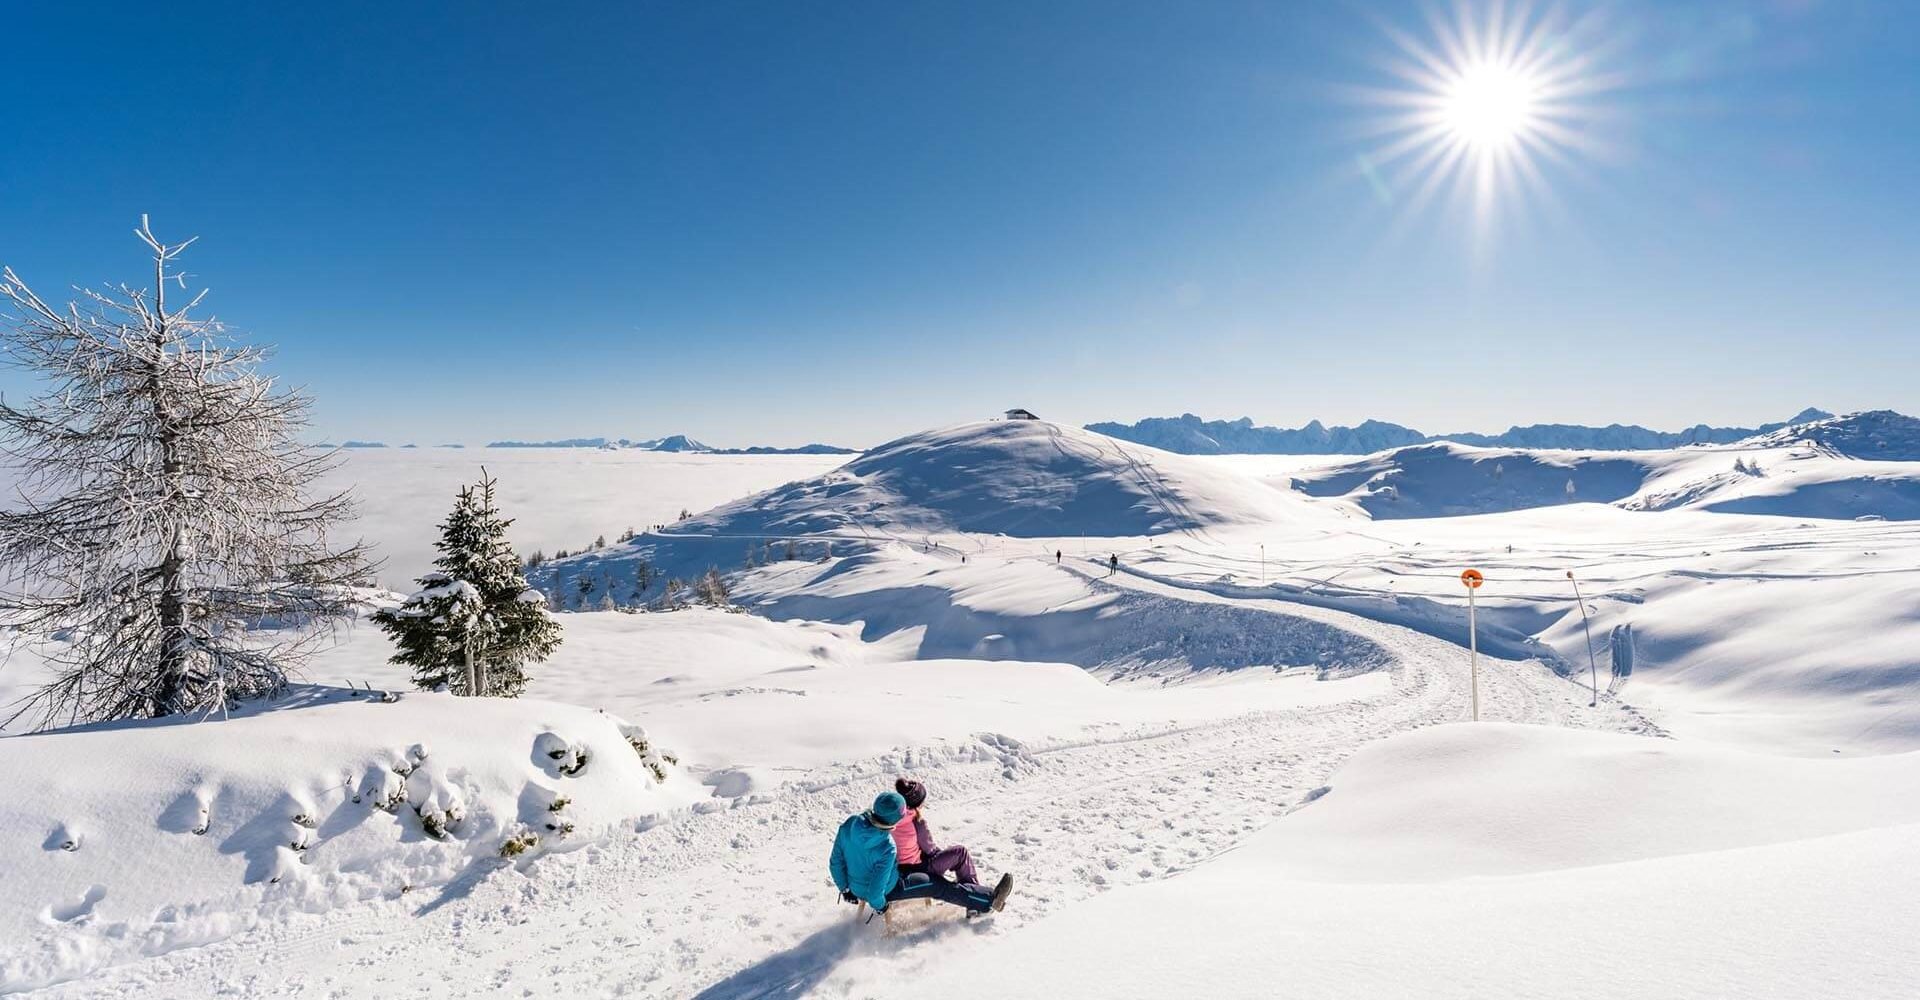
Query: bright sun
[1485,101]
[1489,105]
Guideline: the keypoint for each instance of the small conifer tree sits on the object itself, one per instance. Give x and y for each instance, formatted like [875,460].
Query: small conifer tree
[475,624]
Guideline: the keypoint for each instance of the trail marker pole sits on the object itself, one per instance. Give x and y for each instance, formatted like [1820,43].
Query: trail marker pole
[1472,580]
[1593,670]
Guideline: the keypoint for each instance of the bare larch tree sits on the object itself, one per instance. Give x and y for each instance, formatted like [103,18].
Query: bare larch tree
[165,547]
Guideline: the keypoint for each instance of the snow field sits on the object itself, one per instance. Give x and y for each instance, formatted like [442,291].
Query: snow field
[1140,733]
[730,897]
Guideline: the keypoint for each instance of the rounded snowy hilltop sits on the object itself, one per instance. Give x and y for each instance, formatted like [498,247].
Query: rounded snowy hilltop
[1023,478]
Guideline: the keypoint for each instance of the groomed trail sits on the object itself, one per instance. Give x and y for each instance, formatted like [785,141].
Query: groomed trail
[734,902]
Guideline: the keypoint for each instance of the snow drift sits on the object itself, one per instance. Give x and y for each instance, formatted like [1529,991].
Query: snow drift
[138,838]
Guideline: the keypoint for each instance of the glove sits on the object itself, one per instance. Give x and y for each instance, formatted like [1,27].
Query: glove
[846,895]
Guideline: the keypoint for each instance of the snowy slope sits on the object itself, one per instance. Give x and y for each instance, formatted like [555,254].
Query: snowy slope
[1861,465]
[1493,860]
[1079,788]
[744,701]
[1441,480]
[141,838]
[1022,478]
[1794,635]
[1032,609]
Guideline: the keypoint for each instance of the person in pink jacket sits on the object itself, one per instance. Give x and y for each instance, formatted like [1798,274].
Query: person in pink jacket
[915,847]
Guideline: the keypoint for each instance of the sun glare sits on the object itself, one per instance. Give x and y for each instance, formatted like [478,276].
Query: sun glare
[1489,105]
[1485,101]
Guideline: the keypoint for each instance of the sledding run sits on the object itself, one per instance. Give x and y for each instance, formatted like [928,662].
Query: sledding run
[886,856]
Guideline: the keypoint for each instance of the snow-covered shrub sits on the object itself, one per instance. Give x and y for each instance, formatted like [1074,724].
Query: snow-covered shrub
[519,843]
[656,761]
[563,757]
[437,801]
[384,787]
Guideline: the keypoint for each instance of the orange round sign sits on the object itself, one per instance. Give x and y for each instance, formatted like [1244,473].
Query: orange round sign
[1472,579]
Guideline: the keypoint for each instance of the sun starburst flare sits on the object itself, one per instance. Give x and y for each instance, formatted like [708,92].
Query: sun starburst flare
[1485,103]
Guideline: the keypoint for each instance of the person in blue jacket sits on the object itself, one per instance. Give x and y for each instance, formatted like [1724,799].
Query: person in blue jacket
[865,870]
[863,853]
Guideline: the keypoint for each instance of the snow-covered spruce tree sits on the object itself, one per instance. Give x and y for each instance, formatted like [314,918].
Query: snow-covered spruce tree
[164,534]
[475,624]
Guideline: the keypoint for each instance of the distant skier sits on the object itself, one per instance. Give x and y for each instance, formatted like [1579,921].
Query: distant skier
[1056,557]
[864,865]
[1113,564]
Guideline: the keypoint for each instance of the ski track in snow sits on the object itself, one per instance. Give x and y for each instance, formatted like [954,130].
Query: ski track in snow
[732,900]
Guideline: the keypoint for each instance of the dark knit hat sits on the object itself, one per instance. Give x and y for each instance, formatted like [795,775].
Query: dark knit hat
[912,791]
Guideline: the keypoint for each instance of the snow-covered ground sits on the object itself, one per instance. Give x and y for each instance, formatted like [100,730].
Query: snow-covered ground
[1495,860]
[1233,767]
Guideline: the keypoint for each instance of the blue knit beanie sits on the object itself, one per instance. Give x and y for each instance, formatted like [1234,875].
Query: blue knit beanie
[888,807]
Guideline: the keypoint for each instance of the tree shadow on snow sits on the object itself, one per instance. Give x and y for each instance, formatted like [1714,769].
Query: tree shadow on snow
[793,972]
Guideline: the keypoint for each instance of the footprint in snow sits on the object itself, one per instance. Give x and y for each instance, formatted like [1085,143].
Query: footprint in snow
[76,911]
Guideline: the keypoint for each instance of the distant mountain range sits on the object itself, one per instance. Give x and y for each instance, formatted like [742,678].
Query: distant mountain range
[1190,435]
[679,443]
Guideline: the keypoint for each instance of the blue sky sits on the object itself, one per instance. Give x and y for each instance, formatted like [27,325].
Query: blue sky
[761,223]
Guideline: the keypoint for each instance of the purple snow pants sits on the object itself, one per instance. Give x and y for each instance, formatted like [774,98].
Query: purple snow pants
[947,859]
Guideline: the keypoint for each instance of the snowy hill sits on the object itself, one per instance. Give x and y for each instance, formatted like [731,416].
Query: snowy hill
[1022,478]
[1441,480]
[1860,465]
[1881,435]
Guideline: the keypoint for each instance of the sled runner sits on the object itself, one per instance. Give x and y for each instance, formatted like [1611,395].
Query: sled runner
[918,887]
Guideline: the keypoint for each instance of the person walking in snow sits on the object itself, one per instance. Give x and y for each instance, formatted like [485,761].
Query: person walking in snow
[914,845]
[1056,557]
[1113,564]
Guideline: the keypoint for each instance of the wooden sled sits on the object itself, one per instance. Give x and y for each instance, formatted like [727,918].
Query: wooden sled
[895,916]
